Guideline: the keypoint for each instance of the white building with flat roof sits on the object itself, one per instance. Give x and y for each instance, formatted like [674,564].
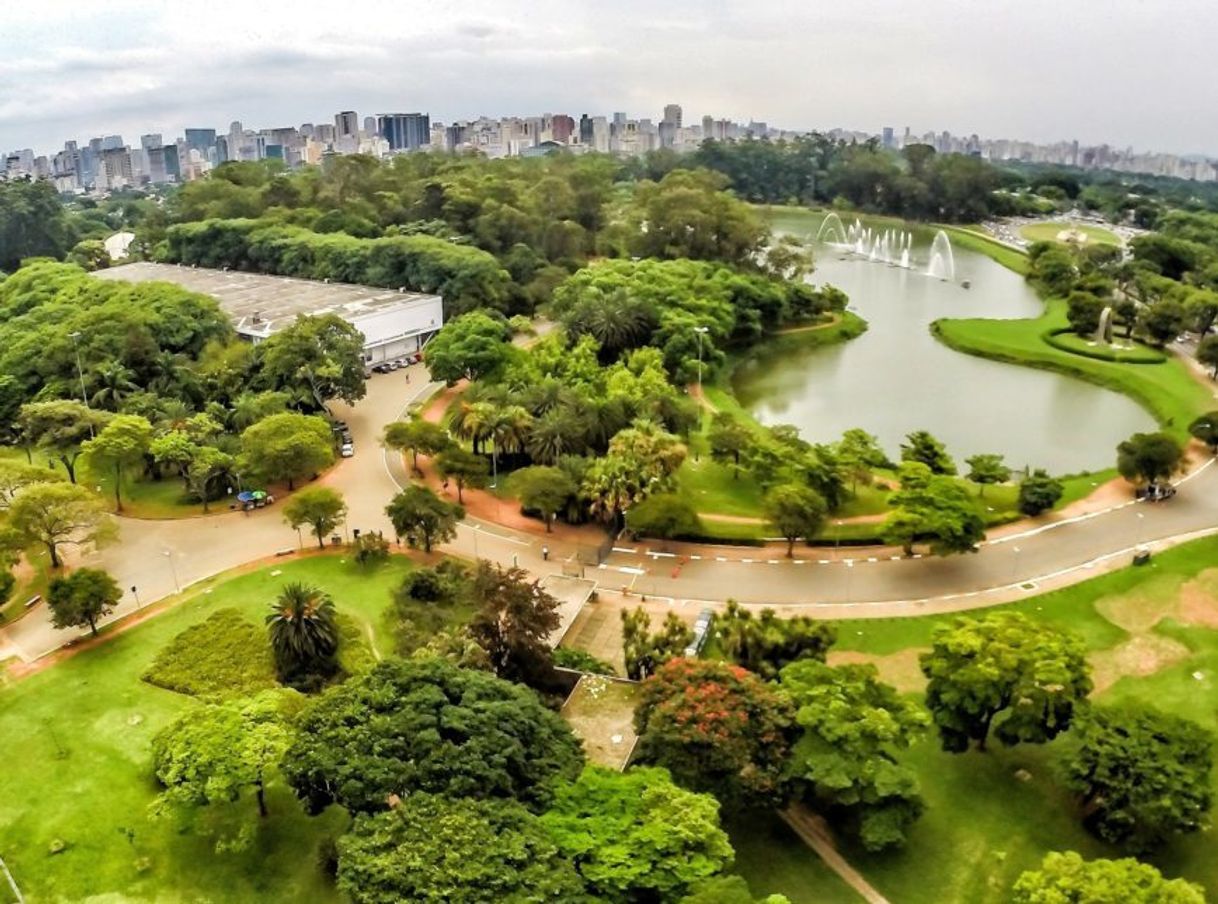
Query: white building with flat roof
[395,323]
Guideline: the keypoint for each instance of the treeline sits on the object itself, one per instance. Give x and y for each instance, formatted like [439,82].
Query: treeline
[468,278]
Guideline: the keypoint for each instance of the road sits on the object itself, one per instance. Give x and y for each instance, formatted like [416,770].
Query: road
[161,558]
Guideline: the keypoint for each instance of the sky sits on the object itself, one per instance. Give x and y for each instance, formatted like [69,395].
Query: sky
[1124,72]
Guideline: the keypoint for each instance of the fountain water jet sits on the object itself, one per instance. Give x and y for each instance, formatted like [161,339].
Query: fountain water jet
[831,226]
[942,262]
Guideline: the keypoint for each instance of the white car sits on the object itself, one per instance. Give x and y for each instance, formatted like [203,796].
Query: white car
[347,450]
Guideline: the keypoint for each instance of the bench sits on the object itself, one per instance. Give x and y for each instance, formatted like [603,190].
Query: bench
[33,601]
[285,552]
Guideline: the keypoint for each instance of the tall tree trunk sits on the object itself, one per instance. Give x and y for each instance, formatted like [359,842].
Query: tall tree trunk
[460,487]
[93,625]
[549,519]
[54,551]
[790,547]
[69,465]
[260,793]
[321,543]
[118,487]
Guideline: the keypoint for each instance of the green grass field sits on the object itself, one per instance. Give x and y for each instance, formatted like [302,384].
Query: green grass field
[82,772]
[983,825]
[1048,232]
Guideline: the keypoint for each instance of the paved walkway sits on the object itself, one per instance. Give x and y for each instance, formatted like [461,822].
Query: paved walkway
[161,557]
[812,831]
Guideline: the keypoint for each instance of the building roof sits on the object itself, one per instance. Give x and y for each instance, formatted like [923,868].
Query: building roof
[260,305]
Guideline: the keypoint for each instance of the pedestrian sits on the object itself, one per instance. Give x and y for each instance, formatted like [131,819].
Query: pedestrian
[545,553]
[407,376]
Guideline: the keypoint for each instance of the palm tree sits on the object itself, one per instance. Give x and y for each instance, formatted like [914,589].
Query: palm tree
[473,421]
[303,632]
[115,382]
[556,433]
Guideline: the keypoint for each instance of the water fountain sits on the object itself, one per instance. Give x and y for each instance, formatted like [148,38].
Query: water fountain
[1103,335]
[942,263]
[832,230]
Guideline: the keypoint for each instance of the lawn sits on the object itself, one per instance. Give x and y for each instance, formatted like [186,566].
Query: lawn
[1048,232]
[83,770]
[983,825]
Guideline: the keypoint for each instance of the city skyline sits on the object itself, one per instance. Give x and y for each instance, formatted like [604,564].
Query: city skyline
[146,67]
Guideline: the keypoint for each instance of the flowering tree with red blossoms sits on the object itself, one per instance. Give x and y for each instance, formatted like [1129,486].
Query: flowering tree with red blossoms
[717,728]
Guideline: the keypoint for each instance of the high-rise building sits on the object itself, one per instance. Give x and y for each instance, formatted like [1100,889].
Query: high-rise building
[585,129]
[201,140]
[404,131]
[148,142]
[346,124]
[562,127]
[672,115]
[887,137]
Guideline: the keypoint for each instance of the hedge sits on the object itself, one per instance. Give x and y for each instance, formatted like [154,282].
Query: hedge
[1139,354]
[465,276]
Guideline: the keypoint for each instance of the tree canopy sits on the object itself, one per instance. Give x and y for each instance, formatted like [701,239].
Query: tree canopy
[426,726]
[1066,878]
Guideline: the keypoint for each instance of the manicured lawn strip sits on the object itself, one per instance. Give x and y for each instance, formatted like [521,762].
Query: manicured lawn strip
[83,774]
[983,825]
[1168,391]
[1047,232]
[973,240]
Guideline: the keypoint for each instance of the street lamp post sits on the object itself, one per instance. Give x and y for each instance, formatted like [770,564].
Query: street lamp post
[1015,566]
[700,330]
[849,572]
[477,558]
[837,538]
[168,554]
[1141,518]
[135,593]
[80,372]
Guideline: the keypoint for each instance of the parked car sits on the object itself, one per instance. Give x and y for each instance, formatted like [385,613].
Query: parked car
[347,450]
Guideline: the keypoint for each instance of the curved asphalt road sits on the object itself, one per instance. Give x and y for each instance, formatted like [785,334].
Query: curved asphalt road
[162,557]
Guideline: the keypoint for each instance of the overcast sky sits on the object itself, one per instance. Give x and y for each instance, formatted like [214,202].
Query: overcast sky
[1127,72]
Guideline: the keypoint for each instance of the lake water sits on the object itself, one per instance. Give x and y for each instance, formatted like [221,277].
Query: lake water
[897,378]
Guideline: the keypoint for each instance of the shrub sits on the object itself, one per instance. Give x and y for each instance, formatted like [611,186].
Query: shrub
[223,656]
[582,661]
[7,583]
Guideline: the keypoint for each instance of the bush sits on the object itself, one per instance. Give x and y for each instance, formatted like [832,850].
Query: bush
[223,656]
[582,661]
[354,653]
[7,583]
[371,549]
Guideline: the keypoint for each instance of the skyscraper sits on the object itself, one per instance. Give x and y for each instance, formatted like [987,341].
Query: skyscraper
[405,131]
[672,115]
[562,127]
[201,140]
[346,124]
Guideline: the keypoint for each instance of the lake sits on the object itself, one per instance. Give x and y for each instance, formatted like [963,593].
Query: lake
[897,378]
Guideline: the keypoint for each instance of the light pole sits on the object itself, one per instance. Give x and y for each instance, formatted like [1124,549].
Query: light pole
[80,372]
[477,558]
[135,593]
[1138,541]
[168,554]
[1015,567]
[837,538]
[700,330]
[849,572]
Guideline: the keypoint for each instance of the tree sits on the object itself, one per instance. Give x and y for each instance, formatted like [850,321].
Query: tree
[859,453]
[317,358]
[1066,878]
[717,728]
[795,511]
[33,222]
[214,753]
[464,467]
[1038,492]
[728,438]
[1084,312]
[207,465]
[57,515]
[1163,320]
[845,760]
[433,850]
[121,443]
[322,508]
[1027,675]
[417,436]
[636,836]
[1207,353]
[987,468]
[728,890]
[60,427]
[935,508]
[115,382]
[425,726]
[921,446]
[82,598]
[543,489]
[468,347]
[645,652]
[287,447]
[767,643]
[1143,775]
[514,622]
[303,631]
[664,516]
[1205,429]
[423,518]
[1149,457]
[16,476]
